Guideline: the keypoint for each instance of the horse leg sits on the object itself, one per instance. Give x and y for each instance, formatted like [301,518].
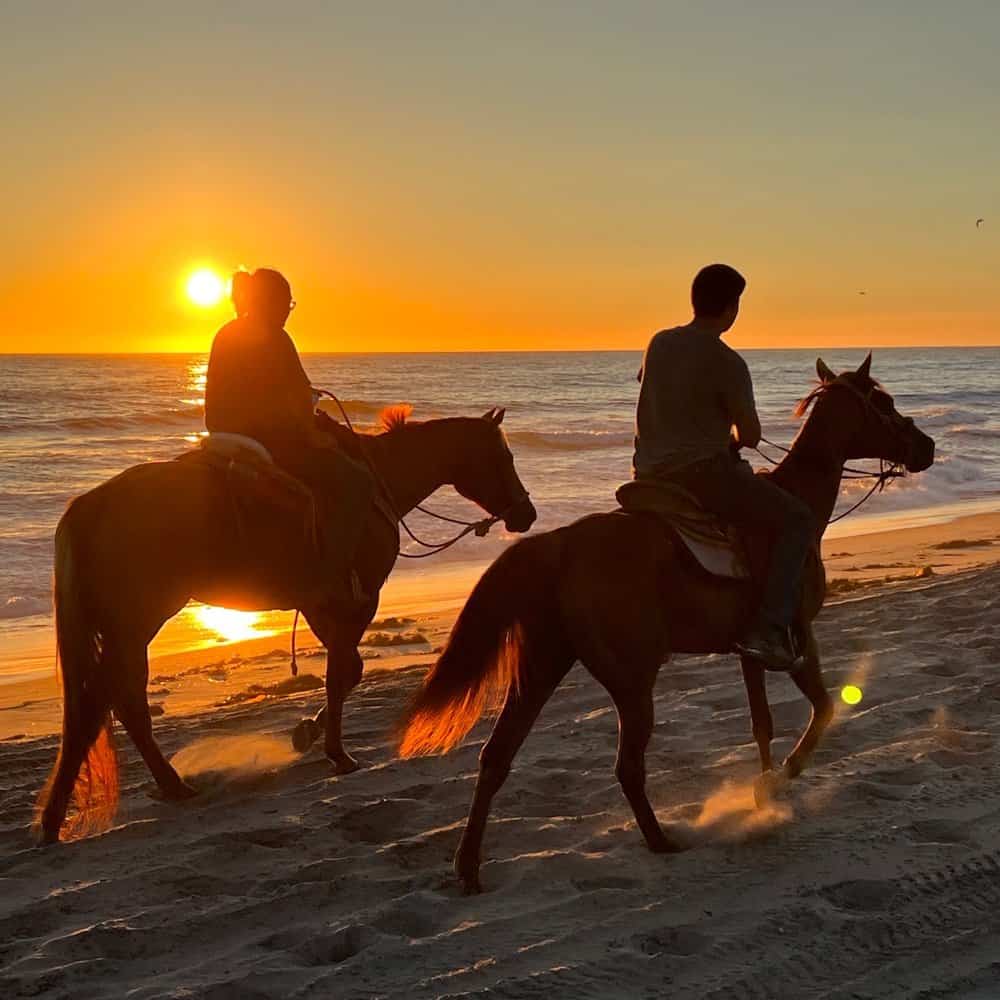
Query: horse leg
[77,740]
[309,730]
[131,666]
[809,680]
[633,697]
[761,722]
[521,708]
[344,667]
[343,673]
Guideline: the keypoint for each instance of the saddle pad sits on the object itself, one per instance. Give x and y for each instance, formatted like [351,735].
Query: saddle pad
[704,535]
[235,446]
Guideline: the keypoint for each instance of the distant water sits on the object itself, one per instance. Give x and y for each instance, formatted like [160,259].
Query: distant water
[69,422]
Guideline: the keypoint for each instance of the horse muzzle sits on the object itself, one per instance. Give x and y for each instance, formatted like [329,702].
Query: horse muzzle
[921,453]
[521,516]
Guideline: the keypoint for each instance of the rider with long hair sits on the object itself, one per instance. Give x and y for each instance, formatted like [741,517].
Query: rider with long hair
[256,386]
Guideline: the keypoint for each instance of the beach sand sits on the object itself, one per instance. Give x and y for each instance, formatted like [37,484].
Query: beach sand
[876,875]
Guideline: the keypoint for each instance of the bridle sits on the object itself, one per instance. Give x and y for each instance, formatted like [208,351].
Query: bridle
[887,470]
[479,528]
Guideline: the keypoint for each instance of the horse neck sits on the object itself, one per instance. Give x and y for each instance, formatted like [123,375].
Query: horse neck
[813,467]
[414,460]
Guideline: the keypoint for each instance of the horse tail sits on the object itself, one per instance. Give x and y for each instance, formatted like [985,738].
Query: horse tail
[87,736]
[485,654]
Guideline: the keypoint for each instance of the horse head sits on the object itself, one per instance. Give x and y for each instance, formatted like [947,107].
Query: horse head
[486,474]
[867,418]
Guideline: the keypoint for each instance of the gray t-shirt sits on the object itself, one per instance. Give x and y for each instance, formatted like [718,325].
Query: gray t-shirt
[694,389]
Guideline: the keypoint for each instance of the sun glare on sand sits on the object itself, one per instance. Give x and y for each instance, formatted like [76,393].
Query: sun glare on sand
[205,287]
[230,625]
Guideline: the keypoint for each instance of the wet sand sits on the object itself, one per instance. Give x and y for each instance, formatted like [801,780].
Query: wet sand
[876,875]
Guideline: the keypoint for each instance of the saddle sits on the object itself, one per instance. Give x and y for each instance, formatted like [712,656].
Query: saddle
[715,545]
[258,487]
[279,518]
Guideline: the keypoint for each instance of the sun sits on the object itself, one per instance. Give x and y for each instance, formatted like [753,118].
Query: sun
[205,288]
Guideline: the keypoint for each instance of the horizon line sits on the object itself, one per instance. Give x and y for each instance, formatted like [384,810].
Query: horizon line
[544,350]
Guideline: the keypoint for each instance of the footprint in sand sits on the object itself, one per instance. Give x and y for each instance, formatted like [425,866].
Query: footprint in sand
[612,882]
[328,948]
[681,941]
[377,822]
[860,895]
[940,831]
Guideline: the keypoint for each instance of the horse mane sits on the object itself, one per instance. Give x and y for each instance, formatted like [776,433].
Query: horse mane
[392,418]
[802,407]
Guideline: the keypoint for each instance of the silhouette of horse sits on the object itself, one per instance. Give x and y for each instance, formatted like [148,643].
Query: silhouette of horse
[620,593]
[132,552]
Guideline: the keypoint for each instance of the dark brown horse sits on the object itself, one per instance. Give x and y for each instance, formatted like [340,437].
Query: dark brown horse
[619,593]
[132,552]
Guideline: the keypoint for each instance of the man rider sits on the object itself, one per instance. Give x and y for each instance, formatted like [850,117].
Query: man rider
[696,392]
[256,386]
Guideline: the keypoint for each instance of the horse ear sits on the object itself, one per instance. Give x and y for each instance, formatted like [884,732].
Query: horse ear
[823,371]
[866,366]
[498,416]
[489,414]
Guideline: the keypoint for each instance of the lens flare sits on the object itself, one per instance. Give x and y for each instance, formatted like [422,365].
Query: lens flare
[205,288]
[850,694]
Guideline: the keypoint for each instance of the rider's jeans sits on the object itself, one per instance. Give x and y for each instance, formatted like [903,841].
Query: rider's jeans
[727,486]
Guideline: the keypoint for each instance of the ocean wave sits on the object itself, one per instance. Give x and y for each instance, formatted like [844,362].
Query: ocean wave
[947,416]
[570,440]
[175,416]
[987,430]
[356,408]
[24,607]
[950,479]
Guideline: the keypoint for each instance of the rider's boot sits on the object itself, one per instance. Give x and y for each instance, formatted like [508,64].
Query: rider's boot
[770,644]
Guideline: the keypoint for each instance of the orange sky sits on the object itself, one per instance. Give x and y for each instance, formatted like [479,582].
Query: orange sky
[482,181]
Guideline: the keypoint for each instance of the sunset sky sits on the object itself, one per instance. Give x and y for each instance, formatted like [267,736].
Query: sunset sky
[442,176]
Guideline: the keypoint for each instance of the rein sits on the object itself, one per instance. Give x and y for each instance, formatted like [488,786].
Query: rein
[886,472]
[480,528]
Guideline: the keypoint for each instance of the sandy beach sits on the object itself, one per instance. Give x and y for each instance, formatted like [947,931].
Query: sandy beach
[877,875]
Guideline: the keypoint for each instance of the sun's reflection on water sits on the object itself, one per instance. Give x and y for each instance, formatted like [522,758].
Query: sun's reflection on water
[230,625]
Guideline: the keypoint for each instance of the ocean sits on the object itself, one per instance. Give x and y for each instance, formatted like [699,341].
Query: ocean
[69,422]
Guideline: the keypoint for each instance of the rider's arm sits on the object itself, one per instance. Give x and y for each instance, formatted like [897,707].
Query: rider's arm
[741,406]
[298,391]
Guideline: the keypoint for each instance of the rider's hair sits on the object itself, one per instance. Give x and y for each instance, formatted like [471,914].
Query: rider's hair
[264,291]
[715,288]
[241,291]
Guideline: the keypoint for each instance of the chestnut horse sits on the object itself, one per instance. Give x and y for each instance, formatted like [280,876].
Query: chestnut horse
[619,593]
[132,552]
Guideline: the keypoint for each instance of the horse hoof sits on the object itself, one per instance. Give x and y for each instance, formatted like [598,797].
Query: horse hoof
[470,885]
[468,877]
[304,735]
[343,763]
[45,838]
[181,792]
[667,846]
[766,786]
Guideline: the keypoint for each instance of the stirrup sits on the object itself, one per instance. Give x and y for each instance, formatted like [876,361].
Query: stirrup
[789,662]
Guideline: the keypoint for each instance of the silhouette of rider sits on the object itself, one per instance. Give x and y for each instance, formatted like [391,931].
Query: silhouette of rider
[696,410]
[256,386]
